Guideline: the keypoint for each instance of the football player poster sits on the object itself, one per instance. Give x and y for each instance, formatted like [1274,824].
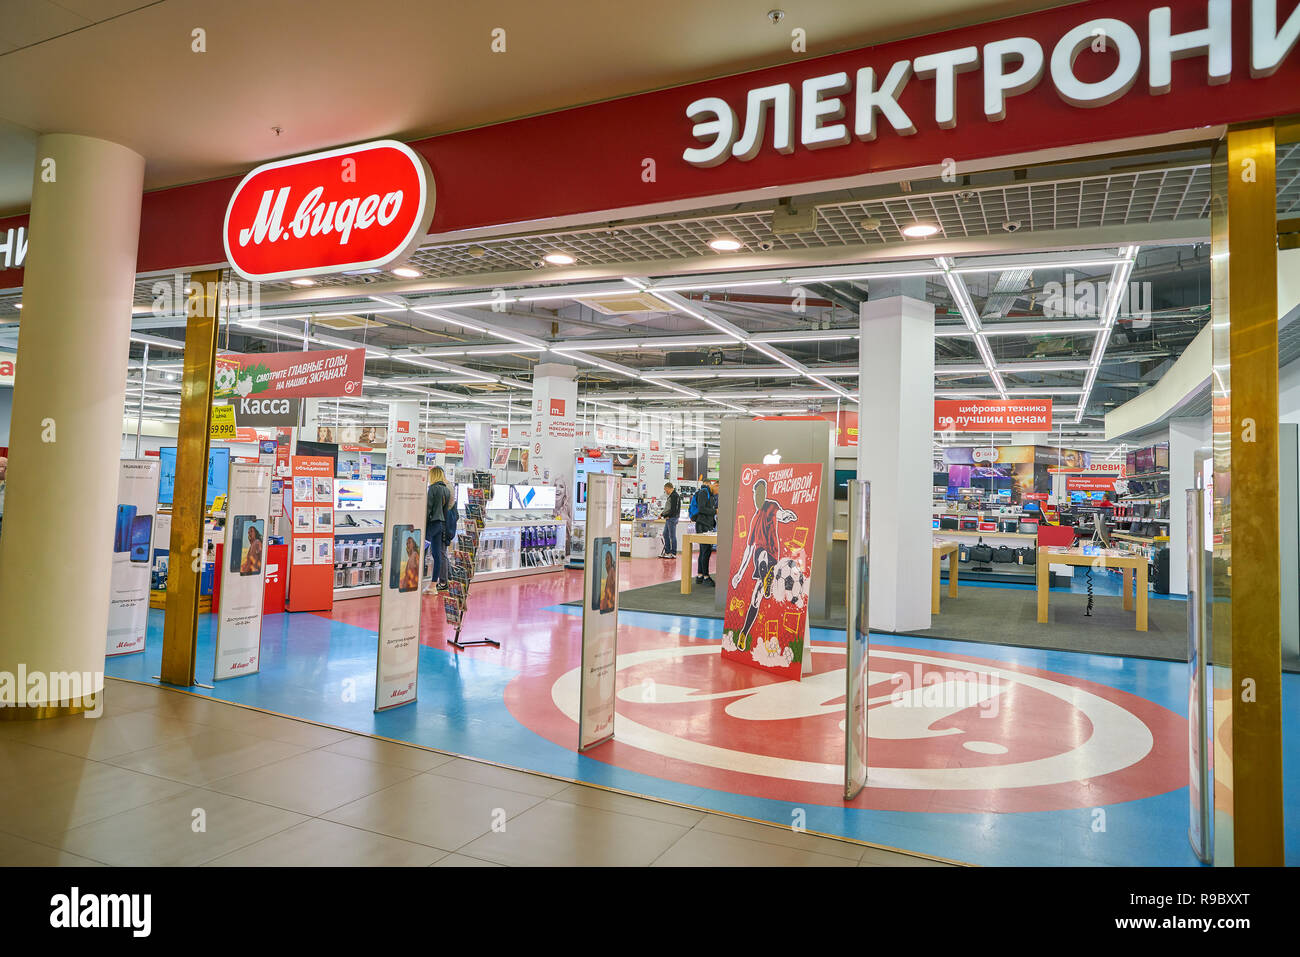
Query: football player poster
[766,619]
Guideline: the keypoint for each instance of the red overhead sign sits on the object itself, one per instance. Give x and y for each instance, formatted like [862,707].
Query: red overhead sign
[360,207]
[993,415]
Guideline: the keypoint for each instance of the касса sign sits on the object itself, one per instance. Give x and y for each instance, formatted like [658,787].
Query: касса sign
[359,207]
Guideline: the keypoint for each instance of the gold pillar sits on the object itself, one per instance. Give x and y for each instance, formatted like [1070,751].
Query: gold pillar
[1246,616]
[189,506]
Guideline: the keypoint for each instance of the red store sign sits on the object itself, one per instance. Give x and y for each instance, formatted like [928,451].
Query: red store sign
[993,415]
[1089,483]
[359,207]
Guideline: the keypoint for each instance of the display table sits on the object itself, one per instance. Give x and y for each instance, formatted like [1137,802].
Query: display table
[1133,565]
[939,550]
[688,543]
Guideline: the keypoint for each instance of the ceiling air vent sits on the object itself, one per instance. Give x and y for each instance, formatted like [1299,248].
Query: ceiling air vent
[624,303]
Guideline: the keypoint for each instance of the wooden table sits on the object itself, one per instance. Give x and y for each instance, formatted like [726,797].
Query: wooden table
[688,543]
[1133,566]
[941,549]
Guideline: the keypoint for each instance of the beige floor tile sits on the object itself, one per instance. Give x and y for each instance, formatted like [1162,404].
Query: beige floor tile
[123,697]
[19,852]
[493,776]
[213,754]
[164,833]
[27,768]
[108,737]
[627,804]
[427,809]
[875,857]
[46,812]
[785,837]
[317,843]
[288,730]
[312,782]
[559,834]
[460,860]
[699,848]
[200,710]
[385,752]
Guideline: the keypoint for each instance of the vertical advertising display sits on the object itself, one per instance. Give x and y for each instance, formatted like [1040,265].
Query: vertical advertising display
[856,679]
[403,437]
[239,612]
[599,613]
[553,435]
[311,533]
[765,624]
[128,597]
[397,662]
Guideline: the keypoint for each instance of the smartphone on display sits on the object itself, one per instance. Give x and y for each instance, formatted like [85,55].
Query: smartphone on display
[141,535]
[400,533]
[240,530]
[122,532]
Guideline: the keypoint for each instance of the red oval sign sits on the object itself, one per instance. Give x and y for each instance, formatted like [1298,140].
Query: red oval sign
[358,207]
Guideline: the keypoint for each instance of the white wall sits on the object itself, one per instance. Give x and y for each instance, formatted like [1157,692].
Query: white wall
[1186,435]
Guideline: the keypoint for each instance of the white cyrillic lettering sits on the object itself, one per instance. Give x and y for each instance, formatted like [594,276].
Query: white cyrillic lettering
[868,101]
[13,248]
[267,220]
[1215,41]
[1269,46]
[943,68]
[302,219]
[366,211]
[813,110]
[347,214]
[722,128]
[1073,90]
[395,198]
[781,97]
[998,83]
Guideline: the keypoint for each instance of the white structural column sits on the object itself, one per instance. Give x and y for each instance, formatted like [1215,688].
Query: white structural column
[66,433]
[1186,435]
[553,436]
[895,437]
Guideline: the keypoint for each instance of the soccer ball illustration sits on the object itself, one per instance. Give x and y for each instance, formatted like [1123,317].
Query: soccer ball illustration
[789,583]
[225,379]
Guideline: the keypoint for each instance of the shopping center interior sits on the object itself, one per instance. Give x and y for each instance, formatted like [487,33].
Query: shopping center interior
[1040,656]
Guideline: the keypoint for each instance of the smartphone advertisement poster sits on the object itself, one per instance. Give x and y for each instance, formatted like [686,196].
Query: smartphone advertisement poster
[399,593]
[128,600]
[599,612]
[239,612]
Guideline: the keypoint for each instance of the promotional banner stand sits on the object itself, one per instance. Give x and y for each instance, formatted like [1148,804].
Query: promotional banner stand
[237,650]
[856,680]
[398,659]
[599,613]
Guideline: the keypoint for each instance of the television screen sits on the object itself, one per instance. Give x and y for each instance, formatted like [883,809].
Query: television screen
[1162,457]
[1145,461]
[1130,463]
[1030,506]
[218,474]
[842,479]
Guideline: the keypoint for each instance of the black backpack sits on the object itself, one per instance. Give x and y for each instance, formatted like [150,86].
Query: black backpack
[452,520]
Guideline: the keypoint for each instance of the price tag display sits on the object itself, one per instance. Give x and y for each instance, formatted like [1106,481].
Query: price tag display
[221,425]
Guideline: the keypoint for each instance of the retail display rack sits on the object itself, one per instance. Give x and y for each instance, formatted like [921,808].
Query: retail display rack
[464,555]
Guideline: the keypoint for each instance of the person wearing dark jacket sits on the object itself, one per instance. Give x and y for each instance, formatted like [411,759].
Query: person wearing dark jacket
[672,511]
[705,505]
[437,501]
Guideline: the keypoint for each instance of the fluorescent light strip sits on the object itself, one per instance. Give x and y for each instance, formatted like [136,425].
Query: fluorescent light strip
[848,277]
[1118,286]
[1007,267]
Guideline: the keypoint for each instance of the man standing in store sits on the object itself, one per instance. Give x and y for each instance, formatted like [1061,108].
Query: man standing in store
[437,501]
[704,511]
[672,511]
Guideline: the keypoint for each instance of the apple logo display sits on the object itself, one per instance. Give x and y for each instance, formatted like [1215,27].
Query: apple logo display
[772,458]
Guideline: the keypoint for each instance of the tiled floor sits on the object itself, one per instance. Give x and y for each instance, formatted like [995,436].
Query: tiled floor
[167,778]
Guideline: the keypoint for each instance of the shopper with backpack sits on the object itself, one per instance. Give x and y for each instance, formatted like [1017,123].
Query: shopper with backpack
[704,510]
[437,500]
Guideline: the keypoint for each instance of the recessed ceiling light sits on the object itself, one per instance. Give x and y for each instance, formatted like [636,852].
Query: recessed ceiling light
[725,244]
[18,305]
[476,252]
[558,258]
[407,272]
[302,282]
[920,230]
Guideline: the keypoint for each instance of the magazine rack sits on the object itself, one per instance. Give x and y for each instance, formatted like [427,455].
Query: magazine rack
[462,559]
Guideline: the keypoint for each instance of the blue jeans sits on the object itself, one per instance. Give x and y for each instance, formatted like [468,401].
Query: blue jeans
[433,535]
[670,536]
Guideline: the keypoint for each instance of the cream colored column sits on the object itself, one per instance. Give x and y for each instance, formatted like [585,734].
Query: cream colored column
[66,431]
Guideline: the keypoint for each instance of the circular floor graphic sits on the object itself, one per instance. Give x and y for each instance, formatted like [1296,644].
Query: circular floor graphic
[948,732]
